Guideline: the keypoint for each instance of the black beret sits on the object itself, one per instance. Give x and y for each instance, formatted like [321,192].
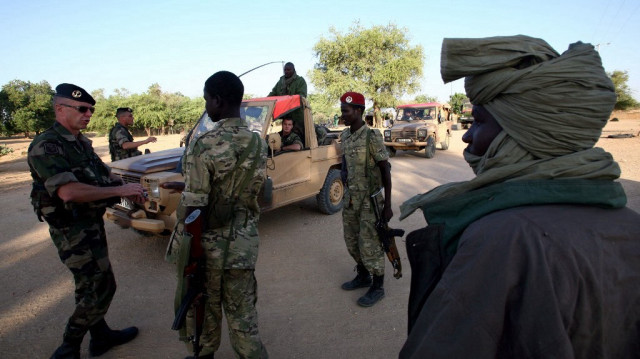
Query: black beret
[123,109]
[74,92]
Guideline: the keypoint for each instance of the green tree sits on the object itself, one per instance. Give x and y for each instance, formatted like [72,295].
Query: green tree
[625,100]
[7,127]
[425,99]
[456,101]
[151,109]
[26,107]
[377,62]
[322,109]
[105,116]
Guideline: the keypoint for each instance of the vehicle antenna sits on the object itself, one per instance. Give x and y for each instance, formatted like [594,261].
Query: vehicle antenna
[257,67]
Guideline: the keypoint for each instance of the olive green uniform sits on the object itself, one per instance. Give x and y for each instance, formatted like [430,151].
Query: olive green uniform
[363,179]
[117,137]
[56,158]
[290,139]
[295,85]
[230,237]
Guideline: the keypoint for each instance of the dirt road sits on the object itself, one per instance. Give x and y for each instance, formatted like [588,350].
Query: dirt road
[303,313]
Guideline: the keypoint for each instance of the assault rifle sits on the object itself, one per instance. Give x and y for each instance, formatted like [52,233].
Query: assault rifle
[387,237]
[194,280]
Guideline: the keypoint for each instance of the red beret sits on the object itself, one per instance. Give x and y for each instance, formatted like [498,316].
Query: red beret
[352,98]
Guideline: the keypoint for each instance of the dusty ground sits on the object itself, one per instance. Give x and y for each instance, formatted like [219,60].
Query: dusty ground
[302,261]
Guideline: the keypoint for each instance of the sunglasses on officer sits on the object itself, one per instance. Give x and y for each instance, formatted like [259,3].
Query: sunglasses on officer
[81,109]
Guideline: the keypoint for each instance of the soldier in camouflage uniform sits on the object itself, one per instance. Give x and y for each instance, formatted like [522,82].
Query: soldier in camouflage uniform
[290,139]
[368,169]
[291,84]
[71,188]
[227,190]
[321,133]
[121,144]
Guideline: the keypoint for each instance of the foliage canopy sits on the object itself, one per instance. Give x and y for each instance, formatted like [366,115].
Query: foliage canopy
[456,101]
[26,107]
[625,100]
[377,62]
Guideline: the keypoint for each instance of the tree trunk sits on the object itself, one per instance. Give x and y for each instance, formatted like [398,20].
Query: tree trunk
[148,129]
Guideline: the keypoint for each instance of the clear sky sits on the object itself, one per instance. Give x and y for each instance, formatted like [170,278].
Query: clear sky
[178,44]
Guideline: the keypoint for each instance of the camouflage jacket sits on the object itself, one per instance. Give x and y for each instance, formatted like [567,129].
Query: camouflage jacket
[56,157]
[290,139]
[213,179]
[358,157]
[117,137]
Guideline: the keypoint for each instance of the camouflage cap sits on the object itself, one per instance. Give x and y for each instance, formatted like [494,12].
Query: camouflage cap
[74,92]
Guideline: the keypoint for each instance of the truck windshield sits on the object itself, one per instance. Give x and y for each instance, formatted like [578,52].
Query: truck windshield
[254,115]
[414,114]
[467,107]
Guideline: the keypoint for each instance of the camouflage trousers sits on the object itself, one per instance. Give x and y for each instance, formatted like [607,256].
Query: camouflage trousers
[82,247]
[360,236]
[235,291]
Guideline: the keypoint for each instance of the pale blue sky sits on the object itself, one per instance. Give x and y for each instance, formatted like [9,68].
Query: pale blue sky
[178,44]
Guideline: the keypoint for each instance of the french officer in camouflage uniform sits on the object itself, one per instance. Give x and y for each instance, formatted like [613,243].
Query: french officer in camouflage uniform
[121,143]
[71,188]
[227,190]
[290,139]
[368,169]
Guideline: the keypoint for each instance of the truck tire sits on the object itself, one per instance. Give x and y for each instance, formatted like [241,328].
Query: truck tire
[445,144]
[430,148]
[330,196]
[391,151]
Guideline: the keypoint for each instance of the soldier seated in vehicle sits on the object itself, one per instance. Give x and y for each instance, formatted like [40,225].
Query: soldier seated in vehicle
[290,139]
[428,114]
[321,133]
[408,115]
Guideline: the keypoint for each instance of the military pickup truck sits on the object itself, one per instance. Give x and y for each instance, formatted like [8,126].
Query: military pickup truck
[293,175]
[466,116]
[419,127]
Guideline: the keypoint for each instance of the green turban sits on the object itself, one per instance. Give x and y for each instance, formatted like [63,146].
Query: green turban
[552,109]
[551,104]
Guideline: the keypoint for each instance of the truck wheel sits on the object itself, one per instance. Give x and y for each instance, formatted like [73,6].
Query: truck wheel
[430,148]
[330,196]
[445,144]
[391,151]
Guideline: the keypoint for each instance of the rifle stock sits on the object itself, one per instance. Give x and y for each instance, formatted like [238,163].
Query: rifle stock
[194,278]
[387,237]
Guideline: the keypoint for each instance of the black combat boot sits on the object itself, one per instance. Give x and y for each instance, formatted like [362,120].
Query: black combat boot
[70,349]
[374,294]
[103,338]
[362,279]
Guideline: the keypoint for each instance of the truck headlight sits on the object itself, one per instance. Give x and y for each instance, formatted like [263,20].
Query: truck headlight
[422,133]
[387,134]
[154,188]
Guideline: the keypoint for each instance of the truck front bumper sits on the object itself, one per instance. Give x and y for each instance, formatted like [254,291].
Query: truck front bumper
[125,220]
[416,145]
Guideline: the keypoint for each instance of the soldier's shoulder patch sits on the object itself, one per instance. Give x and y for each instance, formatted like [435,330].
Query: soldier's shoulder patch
[51,148]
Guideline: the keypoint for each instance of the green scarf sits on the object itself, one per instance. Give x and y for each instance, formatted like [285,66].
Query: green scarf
[459,211]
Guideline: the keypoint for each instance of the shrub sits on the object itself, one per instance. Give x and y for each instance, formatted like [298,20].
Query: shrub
[5,150]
